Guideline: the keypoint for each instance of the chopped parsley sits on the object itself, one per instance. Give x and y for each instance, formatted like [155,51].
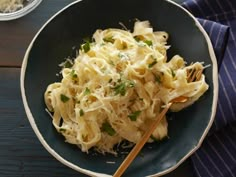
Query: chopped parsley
[110,80]
[141,38]
[87,91]
[73,74]
[152,64]
[158,79]
[111,62]
[106,127]
[109,39]
[81,112]
[137,38]
[133,116]
[148,42]
[64,98]
[62,129]
[86,46]
[172,72]
[122,87]
[119,80]
[67,64]
[131,84]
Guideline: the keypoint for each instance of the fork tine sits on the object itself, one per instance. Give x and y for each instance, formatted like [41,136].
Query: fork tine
[199,74]
[194,75]
[189,74]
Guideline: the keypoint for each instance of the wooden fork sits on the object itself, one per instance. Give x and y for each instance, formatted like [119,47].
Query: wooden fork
[193,75]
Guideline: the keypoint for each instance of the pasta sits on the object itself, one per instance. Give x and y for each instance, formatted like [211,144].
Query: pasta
[7,6]
[117,86]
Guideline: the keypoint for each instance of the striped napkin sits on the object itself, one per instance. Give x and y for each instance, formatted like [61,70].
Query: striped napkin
[217,155]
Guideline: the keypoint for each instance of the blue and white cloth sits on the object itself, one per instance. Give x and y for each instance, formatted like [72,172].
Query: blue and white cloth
[217,155]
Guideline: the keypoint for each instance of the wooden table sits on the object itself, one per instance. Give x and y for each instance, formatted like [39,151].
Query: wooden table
[21,154]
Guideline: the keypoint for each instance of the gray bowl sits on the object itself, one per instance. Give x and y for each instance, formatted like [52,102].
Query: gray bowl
[54,42]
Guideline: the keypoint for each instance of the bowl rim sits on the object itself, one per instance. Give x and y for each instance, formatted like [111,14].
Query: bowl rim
[21,12]
[92,173]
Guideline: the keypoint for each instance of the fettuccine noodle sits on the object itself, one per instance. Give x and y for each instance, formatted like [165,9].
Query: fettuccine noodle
[117,86]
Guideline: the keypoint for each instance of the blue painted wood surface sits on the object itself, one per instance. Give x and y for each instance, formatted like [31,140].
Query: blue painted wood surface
[21,154]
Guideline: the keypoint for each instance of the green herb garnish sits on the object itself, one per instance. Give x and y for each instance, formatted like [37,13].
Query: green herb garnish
[86,46]
[148,42]
[137,38]
[172,72]
[157,78]
[67,64]
[64,98]
[122,87]
[152,64]
[119,80]
[109,39]
[73,74]
[131,84]
[110,80]
[111,62]
[87,91]
[81,112]
[62,129]
[106,127]
[133,116]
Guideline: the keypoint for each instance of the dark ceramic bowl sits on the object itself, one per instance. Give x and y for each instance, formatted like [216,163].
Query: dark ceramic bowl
[54,42]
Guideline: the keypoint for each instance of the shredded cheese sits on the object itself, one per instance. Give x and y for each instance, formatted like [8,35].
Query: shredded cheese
[7,6]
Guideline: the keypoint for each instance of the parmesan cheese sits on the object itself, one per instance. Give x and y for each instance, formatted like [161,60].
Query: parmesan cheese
[7,6]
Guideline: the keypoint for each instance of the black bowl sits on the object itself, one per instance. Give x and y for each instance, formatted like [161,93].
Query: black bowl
[67,29]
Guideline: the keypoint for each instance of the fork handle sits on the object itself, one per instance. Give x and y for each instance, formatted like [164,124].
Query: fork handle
[131,156]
